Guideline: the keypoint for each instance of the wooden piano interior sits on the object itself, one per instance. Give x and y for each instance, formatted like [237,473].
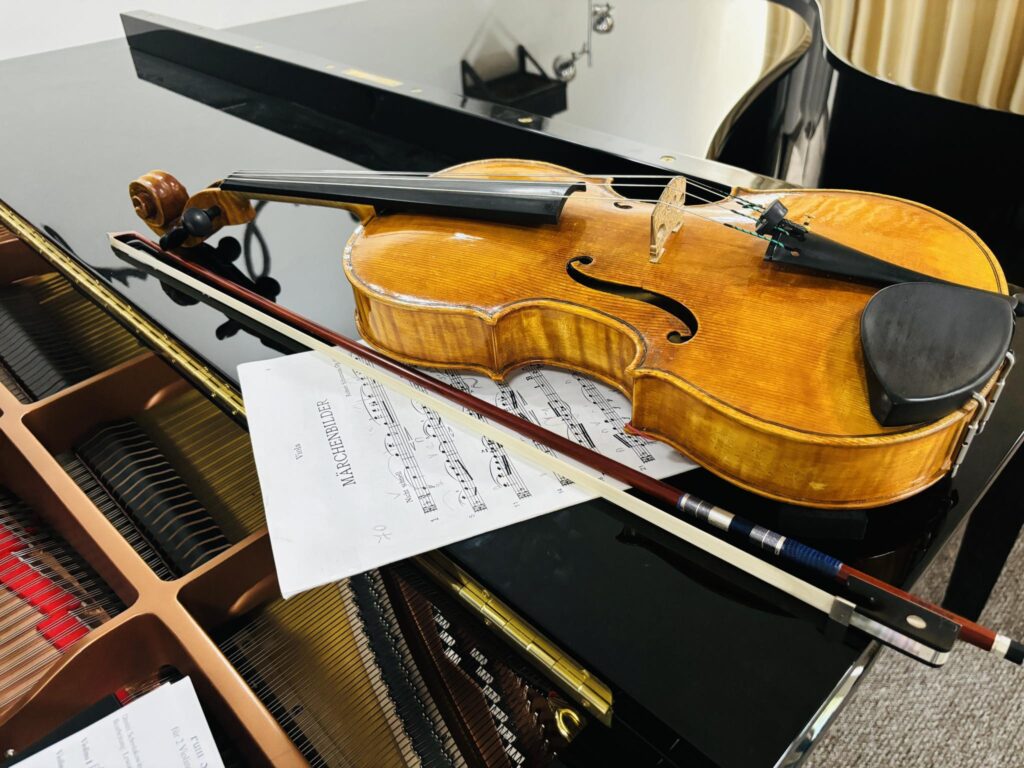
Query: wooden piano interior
[133,549]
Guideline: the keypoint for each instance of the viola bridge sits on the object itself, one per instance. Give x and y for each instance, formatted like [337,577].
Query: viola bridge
[667,216]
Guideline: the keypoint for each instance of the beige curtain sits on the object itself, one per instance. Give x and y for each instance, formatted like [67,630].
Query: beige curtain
[968,50]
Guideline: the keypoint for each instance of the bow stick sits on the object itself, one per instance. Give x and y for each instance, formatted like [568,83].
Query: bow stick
[897,618]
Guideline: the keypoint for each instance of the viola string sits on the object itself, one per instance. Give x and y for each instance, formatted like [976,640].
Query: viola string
[612,183]
[401,378]
[592,178]
[684,209]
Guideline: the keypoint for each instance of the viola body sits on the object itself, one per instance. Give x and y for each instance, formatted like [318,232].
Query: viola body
[754,371]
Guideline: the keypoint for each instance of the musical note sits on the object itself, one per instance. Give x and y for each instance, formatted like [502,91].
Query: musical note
[503,470]
[574,427]
[398,452]
[635,443]
[397,439]
[513,402]
[435,428]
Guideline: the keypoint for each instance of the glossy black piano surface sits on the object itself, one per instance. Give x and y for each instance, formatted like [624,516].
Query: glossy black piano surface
[708,668]
[845,94]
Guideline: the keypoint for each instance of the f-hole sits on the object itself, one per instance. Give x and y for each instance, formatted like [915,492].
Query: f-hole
[662,302]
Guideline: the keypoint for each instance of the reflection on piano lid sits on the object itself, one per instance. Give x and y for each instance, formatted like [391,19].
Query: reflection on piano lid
[969,52]
[51,337]
[49,599]
[384,669]
[177,481]
[889,86]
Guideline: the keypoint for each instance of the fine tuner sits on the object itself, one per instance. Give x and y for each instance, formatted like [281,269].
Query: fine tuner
[723,320]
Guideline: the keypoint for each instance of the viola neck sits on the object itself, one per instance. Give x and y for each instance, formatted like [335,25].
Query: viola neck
[509,201]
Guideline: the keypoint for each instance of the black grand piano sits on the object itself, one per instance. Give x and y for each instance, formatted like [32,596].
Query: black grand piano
[584,637]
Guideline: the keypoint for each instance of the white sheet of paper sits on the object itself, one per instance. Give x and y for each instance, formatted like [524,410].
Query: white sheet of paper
[163,729]
[355,476]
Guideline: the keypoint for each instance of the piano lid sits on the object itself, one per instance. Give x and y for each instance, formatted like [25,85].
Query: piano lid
[679,82]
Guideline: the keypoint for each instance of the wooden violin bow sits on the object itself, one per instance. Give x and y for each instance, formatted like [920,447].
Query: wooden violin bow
[897,618]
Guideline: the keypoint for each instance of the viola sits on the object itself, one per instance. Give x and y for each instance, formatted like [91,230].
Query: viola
[748,331]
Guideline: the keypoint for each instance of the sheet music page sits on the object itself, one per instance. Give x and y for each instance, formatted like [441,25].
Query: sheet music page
[165,728]
[355,476]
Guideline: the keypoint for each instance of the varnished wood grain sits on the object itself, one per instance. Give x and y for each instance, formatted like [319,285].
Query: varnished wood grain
[158,199]
[769,392]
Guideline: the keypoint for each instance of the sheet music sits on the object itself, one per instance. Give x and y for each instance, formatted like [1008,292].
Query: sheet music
[163,729]
[355,476]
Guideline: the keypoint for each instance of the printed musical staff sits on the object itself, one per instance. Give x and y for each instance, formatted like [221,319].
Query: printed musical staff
[435,428]
[639,445]
[397,439]
[574,427]
[513,402]
[503,470]
[400,455]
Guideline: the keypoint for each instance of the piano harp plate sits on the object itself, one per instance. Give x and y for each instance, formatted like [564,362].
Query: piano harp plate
[390,668]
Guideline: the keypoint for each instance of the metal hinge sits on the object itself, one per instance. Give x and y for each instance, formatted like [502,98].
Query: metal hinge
[583,687]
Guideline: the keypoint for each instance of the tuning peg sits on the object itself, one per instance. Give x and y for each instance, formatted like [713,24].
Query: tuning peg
[199,222]
[194,222]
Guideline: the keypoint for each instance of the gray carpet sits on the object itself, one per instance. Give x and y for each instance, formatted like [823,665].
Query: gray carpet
[969,713]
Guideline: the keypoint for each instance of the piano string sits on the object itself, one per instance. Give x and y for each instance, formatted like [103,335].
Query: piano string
[51,337]
[134,470]
[49,599]
[334,666]
[383,669]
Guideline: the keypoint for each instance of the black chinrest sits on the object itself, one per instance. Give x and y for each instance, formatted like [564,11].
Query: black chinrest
[928,346]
